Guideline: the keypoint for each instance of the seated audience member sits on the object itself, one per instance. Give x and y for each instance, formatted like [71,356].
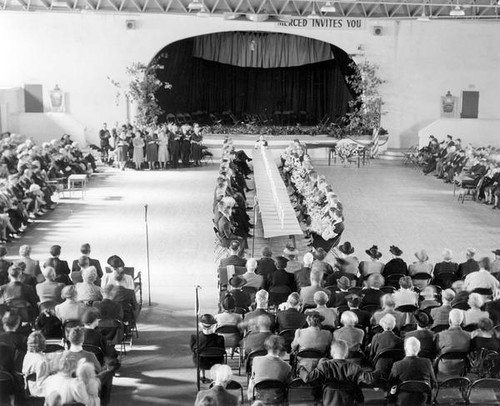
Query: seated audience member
[241,298]
[291,318]
[253,280]
[270,366]
[13,338]
[372,293]
[396,266]
[493,308]
[353,302]
[388,307]
[481,279]
[108,308]
[76,274]
[90,320]
[339,298]
[228,317]
[49,290]
[440,315]
[307,293]
[261,330]
[412,368]
[118,276]
[262,304]
[85,251]
[234,257]
[423,334]
[452,340]
[87,292]
[484,336]
[319,255]
[346,375]
[302,277]
[75,353]
[266,265]
[312,337]
[447,265]
[291,254]
[15,290]
[206,339]
[218,395]
[374,266]
[474,314]
[32,266]
[386,340]
[429,298]
[281,277]
[26,278]
[4,266]
[329,314]
[61,267]
[86,375]
[53,399]
[350,264]
[70,309]
[461,296]
[70,389]
[349,333]
[36,362]
[422,265]
[405,295]
[469,266]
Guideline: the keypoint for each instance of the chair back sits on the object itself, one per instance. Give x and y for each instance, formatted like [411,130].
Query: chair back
[391,355]
[455,368]
[486,383]
[278,294]
[249,359]
[112,330]
[301,393]
[69,324]
[440,327]
[310,353]
[388,289]
[370,308]
[49,348]
[470,327]
[6,387]
[393,280]
[414,386]
[232,335]
[232,386]
[444,280]
[288,336]
[270,392]
[354,290]
[462,384]
[407,308]
[97,351]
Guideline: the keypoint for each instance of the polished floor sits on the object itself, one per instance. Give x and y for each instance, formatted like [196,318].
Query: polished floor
[385,203]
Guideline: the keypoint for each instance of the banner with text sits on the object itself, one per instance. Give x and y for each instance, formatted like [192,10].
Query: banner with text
[324,23]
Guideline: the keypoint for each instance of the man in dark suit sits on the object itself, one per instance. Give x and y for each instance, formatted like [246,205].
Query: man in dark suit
[345,375]
[16,290]
[61,267]
[234,258]
[364,317]
[281,277]
[469,266]
[262,301]
[85,251]
[396,265]
[108,308]
[291,318]
[386,340]
[257,337]
[266,265]
[415,369]
[303,277]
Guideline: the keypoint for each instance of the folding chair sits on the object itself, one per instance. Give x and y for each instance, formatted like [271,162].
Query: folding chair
[233,386]
[249,361]
[301,393]
[113,332]
[97,351]
[210,356]
[444,367]
[484,392]
[232,338]
[309,355]
[416,387]
[6,388]
[288,336]
[462,384]
[270,392]
[388,358]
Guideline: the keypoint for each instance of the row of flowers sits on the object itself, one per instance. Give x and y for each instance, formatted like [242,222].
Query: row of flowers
[320,209]
[276,130]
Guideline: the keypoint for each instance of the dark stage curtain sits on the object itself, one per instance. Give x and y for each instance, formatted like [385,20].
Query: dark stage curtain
[198,84]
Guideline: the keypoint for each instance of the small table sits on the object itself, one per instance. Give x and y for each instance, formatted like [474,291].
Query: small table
[77,182]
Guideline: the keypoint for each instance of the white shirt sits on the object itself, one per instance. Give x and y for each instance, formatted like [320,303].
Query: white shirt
[109,279]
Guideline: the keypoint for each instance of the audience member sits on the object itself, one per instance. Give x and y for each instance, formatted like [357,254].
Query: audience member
[446,266]
[366,268]
[495,265]
[36,362]
[49,290]
[270,366]
[261,330]
[118,276]
[302,277]
[386,340]
[253,280]
[329,314]
[388,307]
[291,318]
[75,353]
[206,339]
[307,292]
[405,295]
[87,292]
[234,257]
[16,291]
[423,334]
[350,264]
[461,296]
[266,265]
[312,337]
[429,298]
[440,315]
[228,317]
[32,266]
[69,389]
[484,336]
[4,266]
[221,375]
[71,308]
[371,294]
[353,302]
[13,338]
[396,266]
[85,251]
[481,279]
[108,308]
[262,303]
[422,265]
[339,298]
[241,298]
[291,254]
[86,375]
[61,267]
[281,277]
[412,368]
[474,314]
[469,266]
[352,335]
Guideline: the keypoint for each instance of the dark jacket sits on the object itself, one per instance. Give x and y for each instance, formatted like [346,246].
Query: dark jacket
[467,267]
[233,260]
[386,340]
[303,277]
[290,319]
[282,278]
[206,341]
[265,267]
[395,266]
[261,312]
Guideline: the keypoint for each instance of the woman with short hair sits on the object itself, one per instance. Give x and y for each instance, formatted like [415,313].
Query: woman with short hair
[474,314]
[312,337]
[35,362]
[349,333]
[484,336]
[70,309]
[329,314]
[87,291]
[50,290]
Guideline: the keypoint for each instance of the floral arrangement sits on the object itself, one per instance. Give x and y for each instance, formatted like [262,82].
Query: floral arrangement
[271,130]
[320,204]
[346,149]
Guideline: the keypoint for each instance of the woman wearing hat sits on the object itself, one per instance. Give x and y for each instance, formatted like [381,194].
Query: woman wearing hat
[349,263]
[366,268]
[422,265]
[228,317]
[241,299]
[396,266]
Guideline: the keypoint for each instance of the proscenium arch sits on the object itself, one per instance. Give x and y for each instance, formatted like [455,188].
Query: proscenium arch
[316,88]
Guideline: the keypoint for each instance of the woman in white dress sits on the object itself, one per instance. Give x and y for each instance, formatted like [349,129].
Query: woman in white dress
[138,157]
[163,155]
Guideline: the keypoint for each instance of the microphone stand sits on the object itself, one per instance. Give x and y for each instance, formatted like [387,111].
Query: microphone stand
[147,252]
[197,314]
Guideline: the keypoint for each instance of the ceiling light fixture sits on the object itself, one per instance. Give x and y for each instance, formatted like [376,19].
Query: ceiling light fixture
[424,17]
[314,14]
[328,8]
[457,11]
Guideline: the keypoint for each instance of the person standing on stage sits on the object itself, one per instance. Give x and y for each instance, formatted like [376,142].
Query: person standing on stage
[175,146]
[138,156]
[261,143]
[163,154]
[104,137]
[122,150]
[152,150]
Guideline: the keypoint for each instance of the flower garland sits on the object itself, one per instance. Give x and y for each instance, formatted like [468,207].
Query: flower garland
[315,197]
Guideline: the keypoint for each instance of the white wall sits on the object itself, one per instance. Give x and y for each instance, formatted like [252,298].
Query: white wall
[420,61]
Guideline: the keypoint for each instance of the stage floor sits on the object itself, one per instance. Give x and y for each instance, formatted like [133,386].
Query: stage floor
[385,203]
